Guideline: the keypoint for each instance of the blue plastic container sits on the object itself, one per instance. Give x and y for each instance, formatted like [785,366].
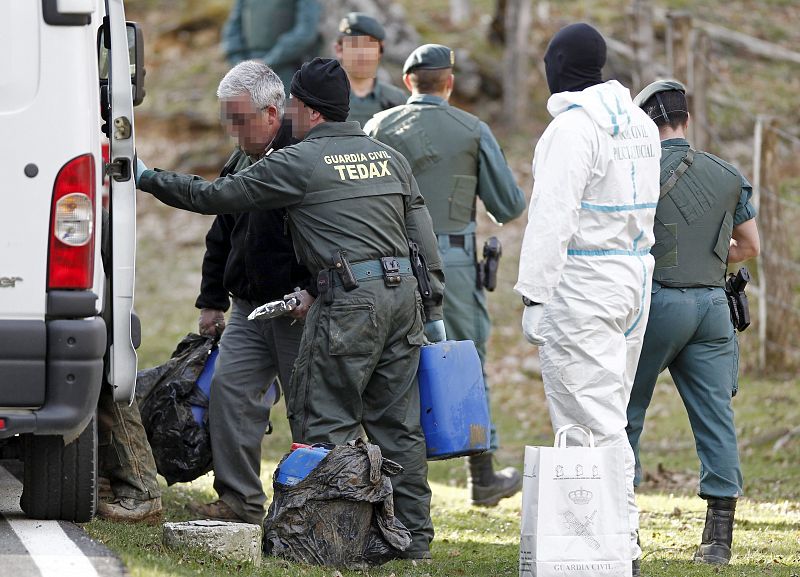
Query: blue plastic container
[453,405]
[299,464]
[204,384]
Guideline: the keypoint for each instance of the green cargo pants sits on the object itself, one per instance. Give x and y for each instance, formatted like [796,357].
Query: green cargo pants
[357,367]
[124,453]
[466,314]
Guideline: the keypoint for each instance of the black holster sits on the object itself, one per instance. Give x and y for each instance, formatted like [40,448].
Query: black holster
[487,268]
[737,299]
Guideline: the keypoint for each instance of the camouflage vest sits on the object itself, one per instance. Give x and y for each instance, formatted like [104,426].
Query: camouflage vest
[264,21]
[694,220]
[441,144]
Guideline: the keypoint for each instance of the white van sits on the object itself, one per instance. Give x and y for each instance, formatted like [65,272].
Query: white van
[65,65]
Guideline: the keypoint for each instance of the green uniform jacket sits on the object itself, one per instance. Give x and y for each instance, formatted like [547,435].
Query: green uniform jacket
[382,97]
[343,190]
[456,156]
[282,33]
[695,219]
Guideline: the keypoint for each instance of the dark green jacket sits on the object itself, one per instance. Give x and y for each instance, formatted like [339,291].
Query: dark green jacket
[282,33]
[343,190]
[695,219]
[382,97]
[454,157]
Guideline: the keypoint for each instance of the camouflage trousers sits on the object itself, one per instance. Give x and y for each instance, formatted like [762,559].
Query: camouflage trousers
[125,457]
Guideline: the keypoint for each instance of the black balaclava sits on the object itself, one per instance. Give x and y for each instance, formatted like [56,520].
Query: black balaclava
[574,59]
[323,86]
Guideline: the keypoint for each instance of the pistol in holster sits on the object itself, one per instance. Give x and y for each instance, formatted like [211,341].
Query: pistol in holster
[737,299]
[420,269]
[487,268]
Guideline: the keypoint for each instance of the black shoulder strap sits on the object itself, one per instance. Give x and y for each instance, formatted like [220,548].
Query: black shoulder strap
[685,163]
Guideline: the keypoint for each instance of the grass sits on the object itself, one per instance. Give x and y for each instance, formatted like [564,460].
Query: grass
[480,542]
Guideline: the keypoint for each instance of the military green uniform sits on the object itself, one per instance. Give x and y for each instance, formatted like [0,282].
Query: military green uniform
[455,159]
[689,330]
[359,354]
[282,33]
[382,97]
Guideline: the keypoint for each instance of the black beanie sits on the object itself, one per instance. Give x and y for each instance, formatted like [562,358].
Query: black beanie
[574,59]
[323,86]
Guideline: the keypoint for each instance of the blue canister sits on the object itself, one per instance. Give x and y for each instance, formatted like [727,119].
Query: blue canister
[299,464]
[204,384]
[453,405]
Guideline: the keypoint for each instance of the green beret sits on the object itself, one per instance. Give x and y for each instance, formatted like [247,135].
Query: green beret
[430,57]
[360,24]
[656,87]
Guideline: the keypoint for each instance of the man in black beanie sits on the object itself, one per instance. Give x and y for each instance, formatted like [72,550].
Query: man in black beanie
[350,201]
[585,267]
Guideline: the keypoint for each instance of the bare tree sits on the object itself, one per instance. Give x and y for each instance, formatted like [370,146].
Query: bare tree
[642,42]
[459,11]
[516,59]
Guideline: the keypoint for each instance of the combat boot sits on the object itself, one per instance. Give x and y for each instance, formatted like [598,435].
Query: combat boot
[715,548]
[488,487]
[130,510]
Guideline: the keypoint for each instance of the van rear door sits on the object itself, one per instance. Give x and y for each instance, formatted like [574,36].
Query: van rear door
[122,368]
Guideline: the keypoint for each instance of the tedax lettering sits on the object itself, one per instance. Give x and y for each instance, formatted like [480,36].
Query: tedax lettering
[362,170]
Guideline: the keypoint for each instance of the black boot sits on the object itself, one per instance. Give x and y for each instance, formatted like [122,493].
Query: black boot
[718,532]
[636,568]
[488,487]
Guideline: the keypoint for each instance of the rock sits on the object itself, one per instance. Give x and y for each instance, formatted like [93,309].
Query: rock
[233,541]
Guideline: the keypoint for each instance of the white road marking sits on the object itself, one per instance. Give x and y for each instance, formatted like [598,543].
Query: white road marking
[54,553]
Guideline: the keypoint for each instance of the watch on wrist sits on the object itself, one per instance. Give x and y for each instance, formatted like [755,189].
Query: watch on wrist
[528,302]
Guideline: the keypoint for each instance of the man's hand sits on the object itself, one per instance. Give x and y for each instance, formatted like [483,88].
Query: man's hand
[212,322]
[531,317]
[306,300]
[434,331]
[140,168]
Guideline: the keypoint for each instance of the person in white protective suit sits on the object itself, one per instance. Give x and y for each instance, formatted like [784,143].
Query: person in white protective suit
[585,268]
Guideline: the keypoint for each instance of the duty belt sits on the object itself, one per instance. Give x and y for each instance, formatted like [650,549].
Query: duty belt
[371,269]
[455,240]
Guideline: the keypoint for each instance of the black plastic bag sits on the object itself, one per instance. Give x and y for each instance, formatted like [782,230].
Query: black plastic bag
[341,514]
[181,446]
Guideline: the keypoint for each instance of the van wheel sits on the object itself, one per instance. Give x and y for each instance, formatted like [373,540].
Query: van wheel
[60,481]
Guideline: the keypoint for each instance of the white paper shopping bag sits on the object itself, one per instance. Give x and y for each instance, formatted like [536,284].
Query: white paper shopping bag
[574,511]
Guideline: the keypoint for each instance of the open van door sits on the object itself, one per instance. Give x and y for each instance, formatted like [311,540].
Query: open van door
[122,207]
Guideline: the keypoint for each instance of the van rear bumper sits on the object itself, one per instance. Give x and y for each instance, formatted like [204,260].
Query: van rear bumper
[50,374]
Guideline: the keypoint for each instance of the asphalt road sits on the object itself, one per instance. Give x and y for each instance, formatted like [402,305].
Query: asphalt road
[32,548]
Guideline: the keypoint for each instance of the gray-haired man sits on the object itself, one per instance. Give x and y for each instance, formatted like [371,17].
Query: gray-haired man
[249,256]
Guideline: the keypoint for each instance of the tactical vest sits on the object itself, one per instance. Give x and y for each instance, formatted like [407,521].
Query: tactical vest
[264,21]
[694,220]
[441,144]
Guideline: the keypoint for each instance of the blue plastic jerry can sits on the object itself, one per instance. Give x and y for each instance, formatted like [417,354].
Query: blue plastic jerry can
[299,464]
[204,384]
[453,405]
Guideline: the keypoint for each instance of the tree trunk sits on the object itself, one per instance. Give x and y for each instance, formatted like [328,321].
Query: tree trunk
[516,60]
[459,11]
[642,41]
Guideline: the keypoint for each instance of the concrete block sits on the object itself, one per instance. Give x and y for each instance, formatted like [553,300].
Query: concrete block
[234,541]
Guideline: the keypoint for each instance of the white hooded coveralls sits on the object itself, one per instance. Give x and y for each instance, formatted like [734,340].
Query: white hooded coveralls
[586,257]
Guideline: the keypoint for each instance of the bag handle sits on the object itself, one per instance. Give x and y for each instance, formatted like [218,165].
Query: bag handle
[561,435]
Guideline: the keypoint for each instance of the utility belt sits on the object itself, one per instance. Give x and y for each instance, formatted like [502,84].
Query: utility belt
[347,275]
[486,269]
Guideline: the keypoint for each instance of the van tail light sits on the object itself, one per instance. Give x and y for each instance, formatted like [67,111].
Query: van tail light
[71,255]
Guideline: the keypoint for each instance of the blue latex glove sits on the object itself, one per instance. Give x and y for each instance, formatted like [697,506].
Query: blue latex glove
[434,331]
[140,168]
[531,318]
